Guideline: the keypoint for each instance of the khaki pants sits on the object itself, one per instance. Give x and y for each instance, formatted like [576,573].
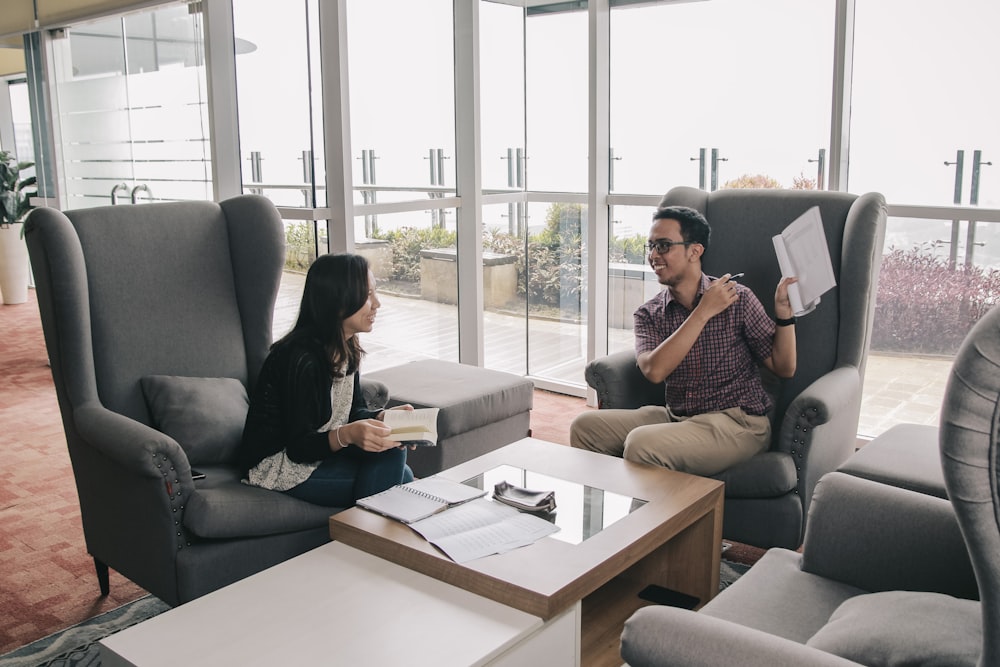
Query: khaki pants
[701,445]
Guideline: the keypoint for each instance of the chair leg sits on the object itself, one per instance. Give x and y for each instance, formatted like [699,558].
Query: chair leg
[103,578]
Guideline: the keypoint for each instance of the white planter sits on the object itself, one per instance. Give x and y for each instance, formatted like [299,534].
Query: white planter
[13,264]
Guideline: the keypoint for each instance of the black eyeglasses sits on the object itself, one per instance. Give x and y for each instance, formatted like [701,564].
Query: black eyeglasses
[663,246]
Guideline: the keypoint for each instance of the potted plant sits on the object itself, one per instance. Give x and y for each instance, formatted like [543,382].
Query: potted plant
[15,202]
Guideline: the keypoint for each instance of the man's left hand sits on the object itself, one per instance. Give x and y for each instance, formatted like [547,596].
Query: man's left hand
[782,305]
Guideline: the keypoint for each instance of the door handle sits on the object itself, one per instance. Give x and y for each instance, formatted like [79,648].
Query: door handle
[142,187]
[114,192]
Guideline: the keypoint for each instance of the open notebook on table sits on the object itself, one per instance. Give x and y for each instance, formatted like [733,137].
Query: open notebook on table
[420,498]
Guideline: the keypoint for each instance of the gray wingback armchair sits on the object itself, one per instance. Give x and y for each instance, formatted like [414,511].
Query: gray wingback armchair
[816,413]
[157,318]
[887,575]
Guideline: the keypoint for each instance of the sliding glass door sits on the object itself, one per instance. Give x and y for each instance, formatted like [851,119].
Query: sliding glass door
[131,108]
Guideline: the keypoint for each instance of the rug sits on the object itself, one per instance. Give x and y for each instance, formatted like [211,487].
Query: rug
[77,646]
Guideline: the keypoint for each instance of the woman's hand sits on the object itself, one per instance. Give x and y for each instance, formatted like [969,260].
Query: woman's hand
[367,434]
[405,406]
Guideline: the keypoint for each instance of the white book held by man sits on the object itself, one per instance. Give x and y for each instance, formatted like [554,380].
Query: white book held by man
[802,252]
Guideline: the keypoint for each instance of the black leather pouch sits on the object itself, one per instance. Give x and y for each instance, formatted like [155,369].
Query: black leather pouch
[523,499]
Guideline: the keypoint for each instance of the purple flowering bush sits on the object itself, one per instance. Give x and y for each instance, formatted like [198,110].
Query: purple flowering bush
[925,307]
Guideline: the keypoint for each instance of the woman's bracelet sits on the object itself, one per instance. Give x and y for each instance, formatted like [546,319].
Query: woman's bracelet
[339,441]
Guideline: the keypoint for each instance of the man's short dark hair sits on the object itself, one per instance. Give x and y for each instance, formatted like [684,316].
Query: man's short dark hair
[694,226]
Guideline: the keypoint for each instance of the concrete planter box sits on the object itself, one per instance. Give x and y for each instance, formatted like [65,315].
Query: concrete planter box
[629,286]
[379,256]
[439,277]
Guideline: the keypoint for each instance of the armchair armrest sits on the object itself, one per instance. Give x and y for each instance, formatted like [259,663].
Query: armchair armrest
[879,537]
[140,449]
[620,384]
[134,484]
[656,636]
[820,427]
[376,393]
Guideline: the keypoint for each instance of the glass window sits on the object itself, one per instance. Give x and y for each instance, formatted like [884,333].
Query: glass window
[505,321]
[20,112]
[631,282]
[401,60]
[132,102]
[750,81]
[916,332]
[501,94]
[924,89]
[413,256]
[556,101]
[556,291]
[277,63]
[534,288]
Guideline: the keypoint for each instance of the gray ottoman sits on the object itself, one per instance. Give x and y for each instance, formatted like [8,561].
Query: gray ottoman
[481,409]
[906,456]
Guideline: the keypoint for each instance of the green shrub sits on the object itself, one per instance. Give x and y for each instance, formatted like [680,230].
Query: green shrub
[628,250]
[406,244]
[300,245]
[551,258]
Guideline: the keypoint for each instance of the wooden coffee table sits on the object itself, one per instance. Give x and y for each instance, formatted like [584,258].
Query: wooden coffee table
[673,540]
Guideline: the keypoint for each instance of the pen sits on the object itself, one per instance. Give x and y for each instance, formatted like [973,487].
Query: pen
[735,276]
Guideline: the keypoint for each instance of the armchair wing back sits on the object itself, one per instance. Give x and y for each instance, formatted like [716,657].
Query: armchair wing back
[838,332]
[181,290]
[816,412]
[970,458]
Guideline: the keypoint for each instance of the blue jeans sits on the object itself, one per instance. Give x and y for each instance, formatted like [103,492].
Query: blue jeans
[351,474]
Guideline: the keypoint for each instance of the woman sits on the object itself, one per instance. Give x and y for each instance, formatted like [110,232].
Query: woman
[308,431]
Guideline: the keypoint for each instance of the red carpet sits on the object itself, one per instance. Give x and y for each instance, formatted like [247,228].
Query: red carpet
[47,579]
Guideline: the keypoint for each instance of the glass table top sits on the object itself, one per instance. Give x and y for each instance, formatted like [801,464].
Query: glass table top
[581,512]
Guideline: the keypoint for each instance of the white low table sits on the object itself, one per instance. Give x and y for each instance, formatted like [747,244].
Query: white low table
[338,605]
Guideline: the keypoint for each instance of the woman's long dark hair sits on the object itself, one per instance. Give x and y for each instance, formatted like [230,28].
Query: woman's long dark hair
[336,288]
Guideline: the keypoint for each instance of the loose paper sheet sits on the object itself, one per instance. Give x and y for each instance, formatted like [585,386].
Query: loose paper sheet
[481,528]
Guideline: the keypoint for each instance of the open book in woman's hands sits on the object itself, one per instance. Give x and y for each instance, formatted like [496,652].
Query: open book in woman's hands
[413,427]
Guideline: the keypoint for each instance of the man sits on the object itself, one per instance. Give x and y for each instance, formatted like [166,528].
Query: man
[703,337]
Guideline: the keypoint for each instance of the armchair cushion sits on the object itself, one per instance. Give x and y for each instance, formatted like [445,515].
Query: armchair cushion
[222,508]
[904,628]
[767,475]
[204,415]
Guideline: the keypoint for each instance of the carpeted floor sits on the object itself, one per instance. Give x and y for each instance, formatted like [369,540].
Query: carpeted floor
[47,580]
[77,646]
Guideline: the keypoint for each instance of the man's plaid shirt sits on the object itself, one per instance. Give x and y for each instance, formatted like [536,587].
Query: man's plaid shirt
[720,371]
